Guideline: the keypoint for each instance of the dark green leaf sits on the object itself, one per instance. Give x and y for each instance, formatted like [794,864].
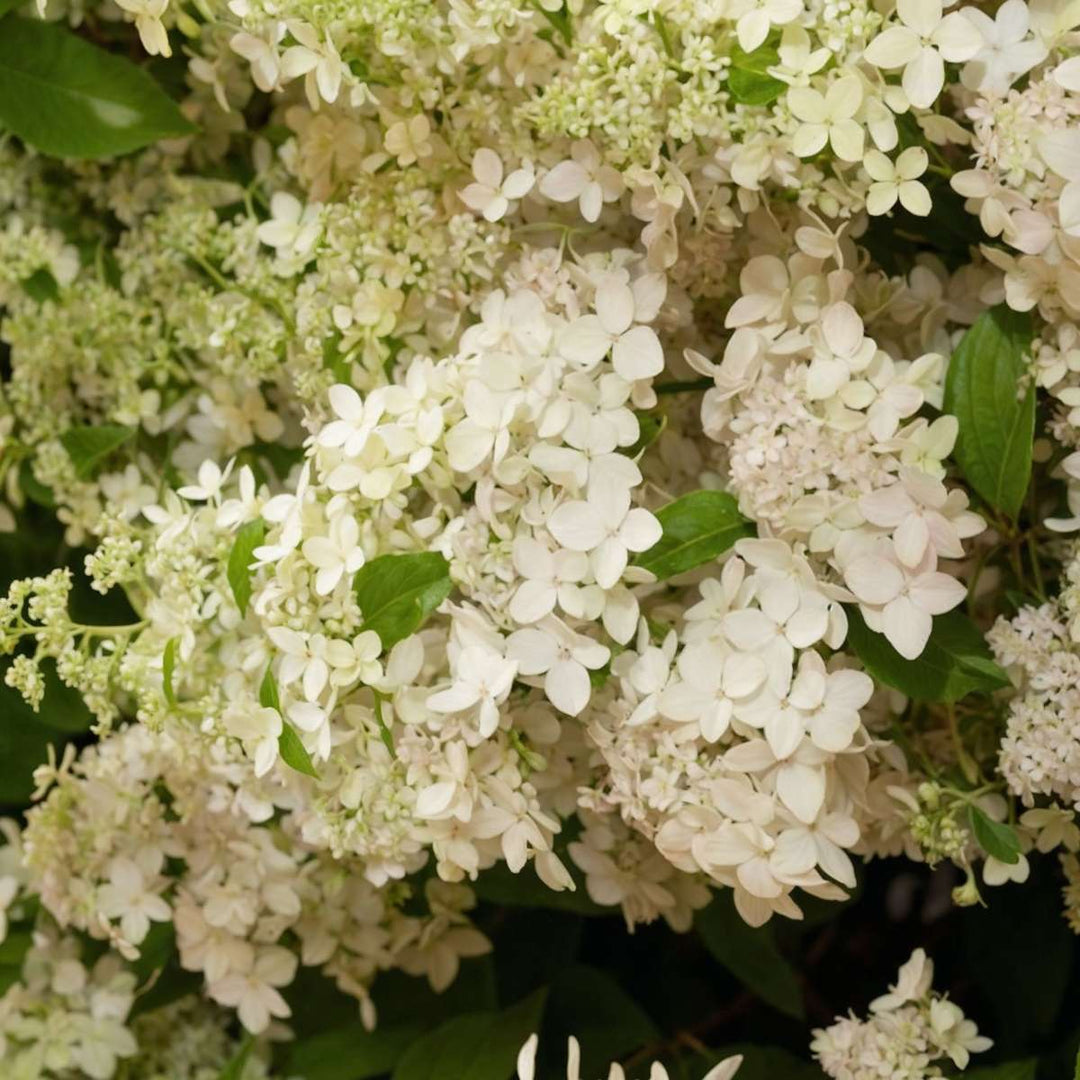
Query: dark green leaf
[234,1070]
[985,391]
[993,837]
[955,662]
[155,951]
[590,1005]
[293,752]
[351,1053]
[750,954]
[650,428]
[477,1046]
[24,745]
[62,708]
[697,527]
[248,538]
[396,593]
[40,285]
[768,1063]
[12,950]
[88,447]
[168,666]
[1018,957]
[1011,1070]
[68,98]
[500,885]
[268,692]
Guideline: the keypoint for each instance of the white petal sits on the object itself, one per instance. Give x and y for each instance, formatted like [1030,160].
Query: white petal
[576,525]
[873,580]
[567,687]
[924,77]
[638,354]
[892,48]
[802,790]
[565,182]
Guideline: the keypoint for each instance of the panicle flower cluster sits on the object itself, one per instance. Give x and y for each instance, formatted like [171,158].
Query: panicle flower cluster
[909,1033]
[434,286]
[1040,752]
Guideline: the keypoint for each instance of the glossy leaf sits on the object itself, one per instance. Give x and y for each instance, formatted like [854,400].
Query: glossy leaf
[69,98]
[396,593]
[293,752]
[697,527]
[986,392]
[268,692]
[955,662]
[750,954]
[88,447]
[290,747]
[477,1046]
[608,1023]
[248,538]
[367,1053]
[994,837]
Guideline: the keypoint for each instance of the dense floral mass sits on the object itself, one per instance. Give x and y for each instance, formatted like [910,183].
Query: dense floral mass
[588,455]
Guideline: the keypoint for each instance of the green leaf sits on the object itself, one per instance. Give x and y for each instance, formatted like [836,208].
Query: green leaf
[40,285]
[293,752]
[88,447]
[955,662]
[750,954]
[1076,1071]
[1011,1070]
[994,837]
[768,1063]
[168,666]
[559,20]
[500,885]
[396,593]
[268,692]
[650,427]
[477,1046]
[748,79]
[234,1070]
[697,527]
[12,950]
[62,708]
[368,1053]
[9,5]
[1018,956]
[997,426]
[68,98]
[609,1024]
[248,538]
[24,745]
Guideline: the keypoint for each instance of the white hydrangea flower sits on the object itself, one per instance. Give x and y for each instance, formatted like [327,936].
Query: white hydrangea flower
[920,43]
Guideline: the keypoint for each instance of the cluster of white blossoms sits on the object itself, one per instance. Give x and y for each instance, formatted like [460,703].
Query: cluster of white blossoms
[518,433]
[910,1031]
